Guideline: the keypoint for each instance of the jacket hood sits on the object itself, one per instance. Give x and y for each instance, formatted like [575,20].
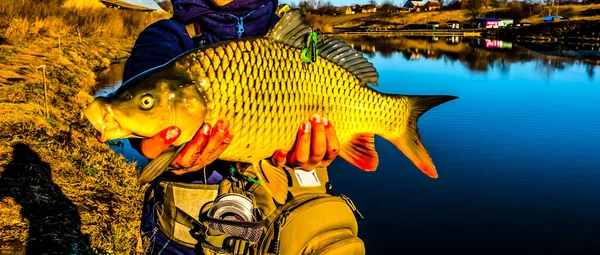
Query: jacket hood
[186,11]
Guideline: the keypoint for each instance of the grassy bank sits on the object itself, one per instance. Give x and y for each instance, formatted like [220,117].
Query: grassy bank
[573,12]
[31,19]
[585,32]
[61,191]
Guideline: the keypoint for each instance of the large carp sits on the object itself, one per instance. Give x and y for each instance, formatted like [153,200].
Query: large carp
[265,88]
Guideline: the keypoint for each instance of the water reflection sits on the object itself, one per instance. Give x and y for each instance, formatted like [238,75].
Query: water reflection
[477,54]
[109,79]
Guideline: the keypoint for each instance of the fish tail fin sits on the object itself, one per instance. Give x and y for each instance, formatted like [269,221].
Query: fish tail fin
[409,141]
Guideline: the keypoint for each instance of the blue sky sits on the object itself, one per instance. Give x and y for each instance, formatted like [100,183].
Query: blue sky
[347,2]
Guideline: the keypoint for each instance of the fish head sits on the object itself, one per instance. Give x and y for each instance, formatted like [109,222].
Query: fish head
[147,104]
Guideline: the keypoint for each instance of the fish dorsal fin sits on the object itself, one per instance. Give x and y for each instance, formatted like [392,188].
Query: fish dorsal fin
[291,31]
[340,53]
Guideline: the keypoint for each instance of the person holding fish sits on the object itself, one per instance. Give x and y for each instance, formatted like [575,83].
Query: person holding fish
[215,21]
[316,145]
[254,76]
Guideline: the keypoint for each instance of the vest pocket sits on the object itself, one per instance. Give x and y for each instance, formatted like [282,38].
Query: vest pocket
[313,224]
[339,241]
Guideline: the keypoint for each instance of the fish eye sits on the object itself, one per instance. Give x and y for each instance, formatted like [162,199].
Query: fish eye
[147,102]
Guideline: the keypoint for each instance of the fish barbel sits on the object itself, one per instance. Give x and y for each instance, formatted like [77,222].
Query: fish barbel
[265,89]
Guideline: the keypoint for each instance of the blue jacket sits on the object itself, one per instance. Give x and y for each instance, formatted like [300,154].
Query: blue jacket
[165,40]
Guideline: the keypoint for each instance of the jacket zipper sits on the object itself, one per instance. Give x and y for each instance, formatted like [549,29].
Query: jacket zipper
[240,22]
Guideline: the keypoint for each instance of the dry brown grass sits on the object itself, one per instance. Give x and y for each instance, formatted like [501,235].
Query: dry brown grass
[390,20]
[31,19]
[61,191]
[573,12]
[425,17]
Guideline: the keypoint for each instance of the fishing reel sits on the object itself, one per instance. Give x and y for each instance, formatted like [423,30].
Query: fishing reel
[232,207]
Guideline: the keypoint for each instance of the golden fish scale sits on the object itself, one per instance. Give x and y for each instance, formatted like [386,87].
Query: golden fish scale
[266,91]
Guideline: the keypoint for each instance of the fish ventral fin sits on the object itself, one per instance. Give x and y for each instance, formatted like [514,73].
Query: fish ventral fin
[274,179]
[409,142]
[291,31]
[360,152]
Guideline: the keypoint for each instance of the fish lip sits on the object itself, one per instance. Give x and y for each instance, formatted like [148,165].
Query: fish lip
[115,133]
[102,118]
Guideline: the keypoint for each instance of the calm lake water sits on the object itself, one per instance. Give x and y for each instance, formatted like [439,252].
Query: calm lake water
[517,154]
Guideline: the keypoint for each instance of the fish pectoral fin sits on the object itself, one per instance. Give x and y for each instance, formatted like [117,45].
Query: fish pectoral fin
[158,165]
[274,179]
[360,152]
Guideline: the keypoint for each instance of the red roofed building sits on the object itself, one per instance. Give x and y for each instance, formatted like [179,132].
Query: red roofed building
[432,5]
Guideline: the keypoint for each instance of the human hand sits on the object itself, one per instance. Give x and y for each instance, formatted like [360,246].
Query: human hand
[208,143]
[312,149]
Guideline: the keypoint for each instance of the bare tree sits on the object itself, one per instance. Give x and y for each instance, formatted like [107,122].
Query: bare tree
[326,9]
[475,7]
[305,6]
[315,4]
[387,6]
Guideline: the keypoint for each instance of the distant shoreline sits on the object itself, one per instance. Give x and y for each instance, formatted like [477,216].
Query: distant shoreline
[525,22]
[584,32]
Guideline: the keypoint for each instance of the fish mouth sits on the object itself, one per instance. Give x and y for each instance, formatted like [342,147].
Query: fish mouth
[102,119]
[112,134]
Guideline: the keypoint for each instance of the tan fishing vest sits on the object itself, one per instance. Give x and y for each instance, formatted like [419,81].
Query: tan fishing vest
[312,221]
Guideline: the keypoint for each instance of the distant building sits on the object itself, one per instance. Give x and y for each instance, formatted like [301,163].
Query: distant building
[369,8]
[433,25]
[453,24]
[361,8]
[339,10]
[553,18]
[349,10]
[524,24]
[432,5]
[414,5]
[487,23]
[508,22]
